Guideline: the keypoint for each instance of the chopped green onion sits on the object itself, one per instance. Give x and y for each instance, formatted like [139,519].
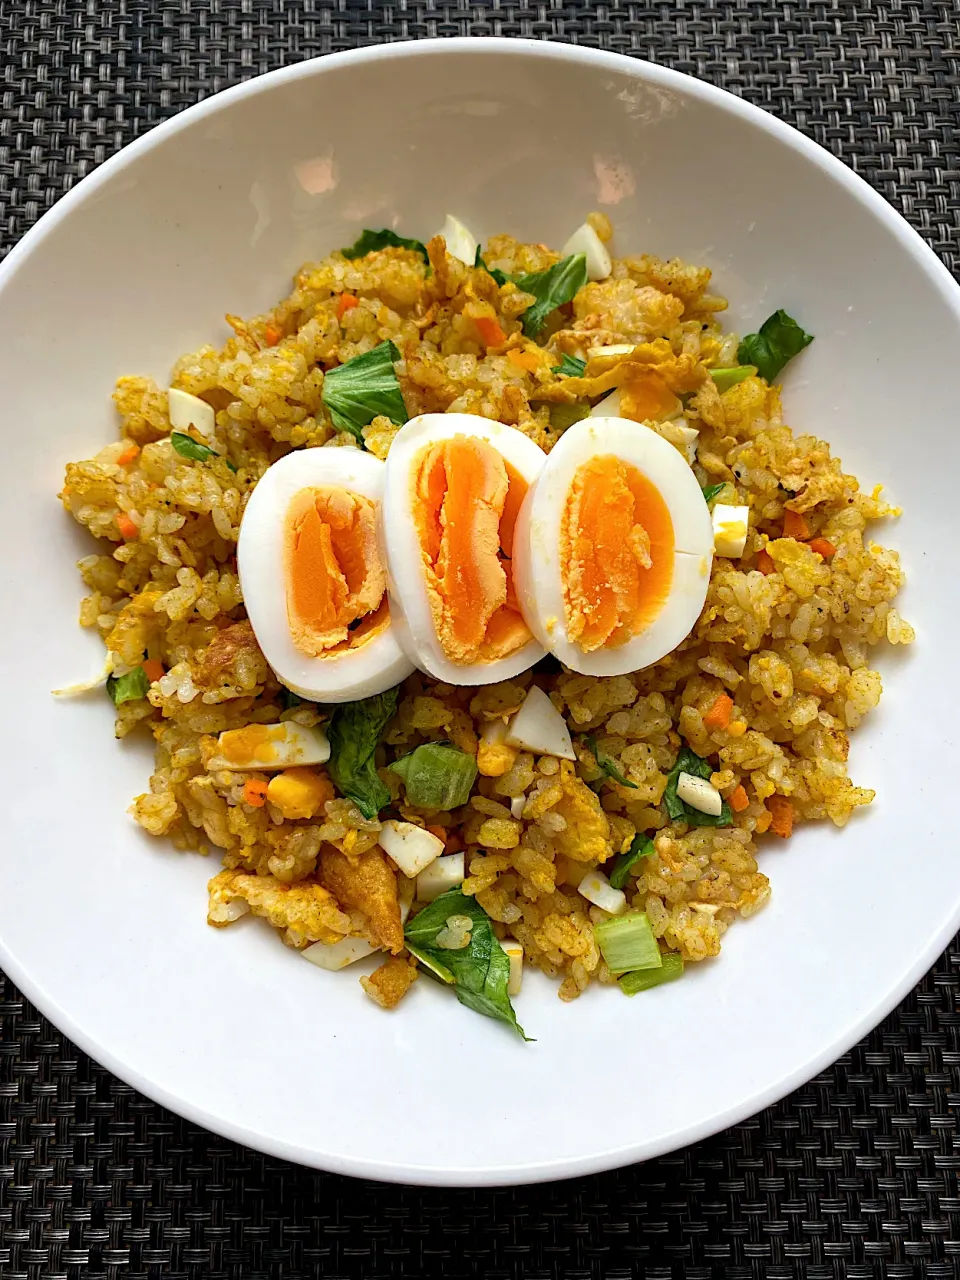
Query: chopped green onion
[371,241]
[780,339]
[437,776]
[640,847]
[570,367]
[727,378]
[710,491]
[689,762]
[129,687]
[363,389]
[552,288]
[193,450]
[644,979]
[497,274]
[627,943]
[605,763]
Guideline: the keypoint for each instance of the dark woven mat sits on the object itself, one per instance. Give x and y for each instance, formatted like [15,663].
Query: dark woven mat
[855,1175]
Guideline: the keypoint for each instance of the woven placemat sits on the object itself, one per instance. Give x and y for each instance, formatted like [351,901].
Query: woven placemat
[854,1175]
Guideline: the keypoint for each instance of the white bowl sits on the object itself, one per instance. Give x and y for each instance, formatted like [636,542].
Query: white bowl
[104,928]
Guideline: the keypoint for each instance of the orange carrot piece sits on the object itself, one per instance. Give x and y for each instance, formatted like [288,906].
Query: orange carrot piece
[490,332]
[439,832]
[822,547]
[272,335]
[765,562]
[255,792]
[738,799]
[126,526]
[346,302]
[781,816]
[153,669]
[795,525]
[718,717]
[130,452]
[525,360]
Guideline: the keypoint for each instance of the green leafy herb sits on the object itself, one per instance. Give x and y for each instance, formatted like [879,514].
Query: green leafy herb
[497,274]
[354,732]
[570,367]
[129,687]
[643,979]
[187,447]
[364,387]
[551,288]
[606,764]
[779,340]
[710,491]
[727,378]
[627,943]
[479,971]
[437,776]
[640,847]
[689,762]
[371,241]
[288,699]
[565,415]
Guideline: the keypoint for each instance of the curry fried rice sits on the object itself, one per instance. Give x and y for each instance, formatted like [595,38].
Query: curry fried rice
[767,686]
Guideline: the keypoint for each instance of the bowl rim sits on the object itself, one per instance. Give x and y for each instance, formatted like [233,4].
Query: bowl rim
[926,261]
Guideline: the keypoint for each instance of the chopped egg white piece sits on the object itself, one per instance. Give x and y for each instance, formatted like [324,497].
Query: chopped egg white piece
[683,436]
[730,525]
[406,892]
[515,955]
[617,349]
[596,888]
[188,411]
[337,955]
[461,242]
[586,241]
[443,874]
[608,407]
[411,847]
[699,794]
[270,746]
[517,806]
[538,726]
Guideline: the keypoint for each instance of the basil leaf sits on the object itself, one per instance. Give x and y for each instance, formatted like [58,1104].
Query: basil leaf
[354,732]
[689,762]
[565,415]
[710,491]
[497,274]
[356,392]
[727,378]
[640,847]
[192,449]
[128,688]
[437,776]
[606,764]
[479,971]
[371,241]
[570,367]
[288,699]
[780,339]
[551,288]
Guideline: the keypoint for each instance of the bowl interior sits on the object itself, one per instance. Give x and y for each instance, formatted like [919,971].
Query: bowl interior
[105,927]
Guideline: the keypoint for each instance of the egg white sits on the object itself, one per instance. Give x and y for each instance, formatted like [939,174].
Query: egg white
[536,556]
[409,601]
[342,677]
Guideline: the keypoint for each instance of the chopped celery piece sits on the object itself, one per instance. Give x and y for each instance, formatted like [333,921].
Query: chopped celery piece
[727,378]
[644,979]
[627,943]
[437,776]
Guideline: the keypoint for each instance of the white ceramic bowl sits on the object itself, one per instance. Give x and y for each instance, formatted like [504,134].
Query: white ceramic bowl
[104,927]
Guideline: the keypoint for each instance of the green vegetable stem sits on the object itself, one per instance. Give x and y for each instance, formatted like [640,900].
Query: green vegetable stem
[670,969]
[437,776]
[129,687]
[628,943]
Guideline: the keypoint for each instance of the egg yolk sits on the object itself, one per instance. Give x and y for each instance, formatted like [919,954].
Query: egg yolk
[616,553]
[335,577]
[465,500]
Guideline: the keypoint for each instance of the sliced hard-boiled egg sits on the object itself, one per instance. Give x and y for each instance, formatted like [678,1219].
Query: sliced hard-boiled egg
[586,241]
[313,576]
[270,746]
[613,548]
[730,526]
[187,411]
[454,486]
[461,242]
[337,955]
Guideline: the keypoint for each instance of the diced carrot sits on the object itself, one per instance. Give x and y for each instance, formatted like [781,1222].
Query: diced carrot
[255,792]
[526,360]
[738,799]
[439,832]
[765,562]
[795,525]
[453,843]
[130,452]
[126,526]
[718,717]
[490,332]
[822,547]
[781,816]
[346,302]
[153,669]
[272,335]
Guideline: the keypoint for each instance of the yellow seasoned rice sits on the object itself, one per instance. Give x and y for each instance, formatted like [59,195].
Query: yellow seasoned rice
[790,646]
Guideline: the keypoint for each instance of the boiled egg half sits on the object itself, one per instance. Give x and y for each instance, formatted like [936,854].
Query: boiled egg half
[612,548]
[314,579]
[455,483]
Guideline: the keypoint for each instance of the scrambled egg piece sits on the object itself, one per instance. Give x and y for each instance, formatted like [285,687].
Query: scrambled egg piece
[135,625]
[307,911]
[587,835]
[368,884]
